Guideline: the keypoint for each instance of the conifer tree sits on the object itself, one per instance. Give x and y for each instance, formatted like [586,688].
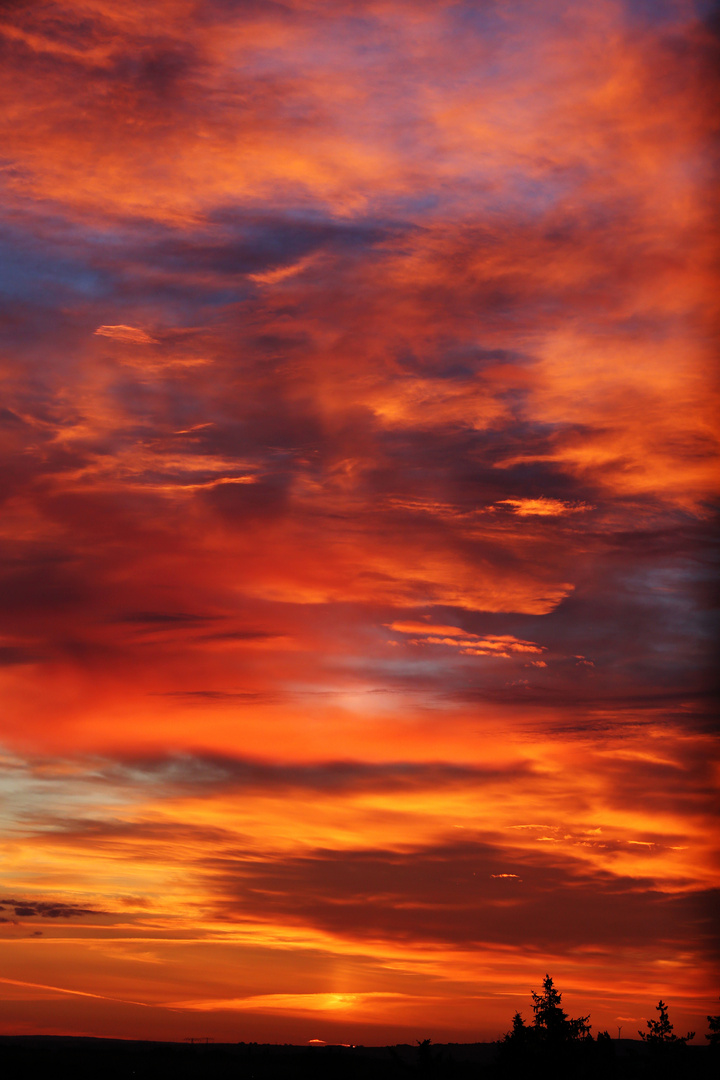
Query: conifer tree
[551,1021]
[661,1030]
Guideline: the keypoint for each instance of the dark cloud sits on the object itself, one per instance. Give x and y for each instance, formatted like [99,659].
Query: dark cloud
[472,894]
[240,635]
[458,895]
[43,585]
[202,698]
[129,841]
[48,909]
[163,618]
[215,772]
[18,654]
[233,242]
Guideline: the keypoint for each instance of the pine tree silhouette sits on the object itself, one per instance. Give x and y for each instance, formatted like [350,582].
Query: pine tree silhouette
[661,1030]
[551,1022]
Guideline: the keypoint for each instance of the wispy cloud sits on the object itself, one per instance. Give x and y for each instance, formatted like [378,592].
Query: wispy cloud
[469,644]
[132,334]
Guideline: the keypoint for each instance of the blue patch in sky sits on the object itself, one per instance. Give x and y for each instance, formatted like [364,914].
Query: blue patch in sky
[31,271]
[666,12]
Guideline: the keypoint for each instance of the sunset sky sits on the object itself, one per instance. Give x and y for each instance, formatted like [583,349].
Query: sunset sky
[359,422]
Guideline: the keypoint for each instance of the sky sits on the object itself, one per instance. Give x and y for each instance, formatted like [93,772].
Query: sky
[359,428]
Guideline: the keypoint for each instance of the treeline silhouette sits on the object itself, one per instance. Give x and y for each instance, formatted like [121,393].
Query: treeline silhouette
[552,1046]
[555,1045]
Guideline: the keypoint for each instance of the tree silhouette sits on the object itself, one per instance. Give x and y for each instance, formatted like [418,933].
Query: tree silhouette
[551,1022]
[552,1045]
[521,1036]
[428,1062]
[661,1032]
[714,1036]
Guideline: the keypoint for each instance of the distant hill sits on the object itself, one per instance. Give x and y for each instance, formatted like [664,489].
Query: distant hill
[83,1058]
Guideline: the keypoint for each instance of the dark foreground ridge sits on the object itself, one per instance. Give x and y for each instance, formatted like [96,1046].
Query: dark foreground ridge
[107,1059]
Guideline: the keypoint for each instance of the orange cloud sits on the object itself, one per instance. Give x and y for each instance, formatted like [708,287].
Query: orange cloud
[541,507]
[133,334]
[469,644]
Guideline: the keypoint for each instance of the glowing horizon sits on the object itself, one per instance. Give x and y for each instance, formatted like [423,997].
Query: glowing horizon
[360,439]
